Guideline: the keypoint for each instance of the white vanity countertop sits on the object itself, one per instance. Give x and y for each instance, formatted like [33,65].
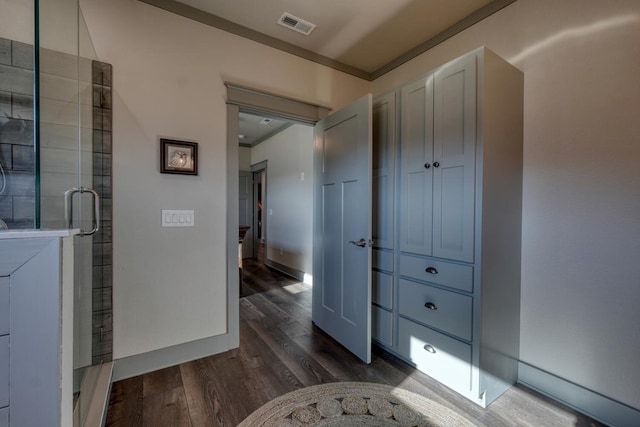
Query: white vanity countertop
[34,234]
[18,246]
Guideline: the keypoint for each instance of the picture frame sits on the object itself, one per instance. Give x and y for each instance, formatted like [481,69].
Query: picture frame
[178,157]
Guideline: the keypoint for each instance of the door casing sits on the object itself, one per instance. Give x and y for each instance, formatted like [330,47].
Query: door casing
[250,100]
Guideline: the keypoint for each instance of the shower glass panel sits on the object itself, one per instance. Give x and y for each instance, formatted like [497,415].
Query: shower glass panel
[64,149]
[55,156]
[17,160]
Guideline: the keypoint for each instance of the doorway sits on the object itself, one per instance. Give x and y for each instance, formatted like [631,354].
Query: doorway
[340,212]
[259,218]
[248,100]
[281,167]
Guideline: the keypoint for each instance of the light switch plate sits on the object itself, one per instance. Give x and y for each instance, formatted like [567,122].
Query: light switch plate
[178,218]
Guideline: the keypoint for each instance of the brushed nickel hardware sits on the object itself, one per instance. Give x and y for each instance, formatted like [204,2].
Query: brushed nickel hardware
[360,243]
[68,209]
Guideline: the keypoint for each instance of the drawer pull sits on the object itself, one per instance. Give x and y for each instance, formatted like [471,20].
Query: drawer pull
[430,348]
[431,270]
[430,306]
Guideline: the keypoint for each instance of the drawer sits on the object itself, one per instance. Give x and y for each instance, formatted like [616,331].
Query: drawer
[439,356]
[382,326]
[440,272]
[382,260]
[4,305]
[382,292]
[4,371]
[450,312]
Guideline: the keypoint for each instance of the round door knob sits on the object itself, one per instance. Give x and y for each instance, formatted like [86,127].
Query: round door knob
[427,165]
[436,164]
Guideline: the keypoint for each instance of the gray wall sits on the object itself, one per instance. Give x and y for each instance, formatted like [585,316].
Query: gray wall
[244,158]
[289,206]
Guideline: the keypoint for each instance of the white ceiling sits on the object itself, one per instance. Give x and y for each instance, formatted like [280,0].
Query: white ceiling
[253,129]
[362,37]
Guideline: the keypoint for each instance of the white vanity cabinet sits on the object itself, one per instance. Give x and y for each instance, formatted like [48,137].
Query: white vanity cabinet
[456,288]
[4,351]
[36,328]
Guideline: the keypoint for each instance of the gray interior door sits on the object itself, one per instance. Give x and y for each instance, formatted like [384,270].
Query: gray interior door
[342,227]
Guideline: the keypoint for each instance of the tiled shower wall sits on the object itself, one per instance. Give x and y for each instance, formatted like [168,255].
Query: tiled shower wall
[17,203]
[61,77]
[102,340]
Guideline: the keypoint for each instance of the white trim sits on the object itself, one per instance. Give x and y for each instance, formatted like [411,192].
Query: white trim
[595,405]
[38,234]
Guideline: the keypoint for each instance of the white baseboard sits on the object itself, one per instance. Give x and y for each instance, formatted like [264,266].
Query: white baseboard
[595,405]
[139,364]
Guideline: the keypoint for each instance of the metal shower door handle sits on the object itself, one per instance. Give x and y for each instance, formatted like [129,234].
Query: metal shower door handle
[68,209]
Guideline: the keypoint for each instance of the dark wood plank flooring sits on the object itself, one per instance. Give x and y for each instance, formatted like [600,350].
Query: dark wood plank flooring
[281,351]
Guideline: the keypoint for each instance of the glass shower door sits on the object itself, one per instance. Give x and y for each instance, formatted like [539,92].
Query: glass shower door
[70,107]
[55,139]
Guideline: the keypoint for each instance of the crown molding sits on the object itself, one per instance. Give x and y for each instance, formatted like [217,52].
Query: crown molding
[215,21]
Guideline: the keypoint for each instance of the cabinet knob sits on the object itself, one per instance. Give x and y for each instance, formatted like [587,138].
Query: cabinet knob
[436,164]
[430,306]
[430,348]
[427,165]
[431,270]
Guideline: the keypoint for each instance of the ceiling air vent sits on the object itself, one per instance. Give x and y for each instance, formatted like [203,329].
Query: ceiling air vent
[296,24]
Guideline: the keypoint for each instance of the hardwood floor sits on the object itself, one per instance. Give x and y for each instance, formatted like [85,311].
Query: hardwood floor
[280,351]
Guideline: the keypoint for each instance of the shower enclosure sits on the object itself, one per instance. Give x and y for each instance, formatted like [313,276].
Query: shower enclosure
[55,157]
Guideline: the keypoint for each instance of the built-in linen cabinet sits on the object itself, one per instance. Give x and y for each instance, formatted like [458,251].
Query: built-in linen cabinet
[384,183]
[438,137]
[456,288]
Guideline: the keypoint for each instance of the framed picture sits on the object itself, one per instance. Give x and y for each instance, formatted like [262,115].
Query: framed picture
[179,157]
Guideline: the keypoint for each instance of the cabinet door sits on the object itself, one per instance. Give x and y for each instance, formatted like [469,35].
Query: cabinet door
[454,148]
[384,160]
[416,147]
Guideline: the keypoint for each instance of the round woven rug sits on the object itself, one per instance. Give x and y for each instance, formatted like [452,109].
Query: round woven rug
[353,404]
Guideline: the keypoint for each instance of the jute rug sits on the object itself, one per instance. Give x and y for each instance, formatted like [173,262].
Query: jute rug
[353,404]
